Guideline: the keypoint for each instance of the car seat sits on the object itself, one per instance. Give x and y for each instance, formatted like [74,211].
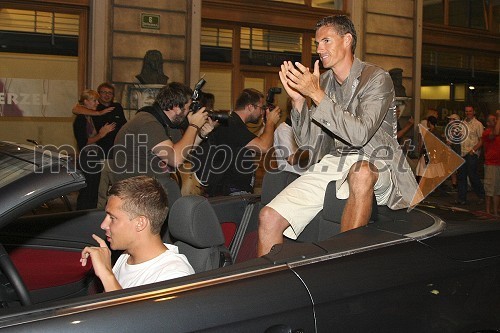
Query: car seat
[196,231]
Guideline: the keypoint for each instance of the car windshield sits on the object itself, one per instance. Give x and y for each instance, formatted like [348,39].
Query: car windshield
[15,167]
[17,161]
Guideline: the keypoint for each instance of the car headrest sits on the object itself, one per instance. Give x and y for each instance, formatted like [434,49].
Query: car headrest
[192,220]
[170,186]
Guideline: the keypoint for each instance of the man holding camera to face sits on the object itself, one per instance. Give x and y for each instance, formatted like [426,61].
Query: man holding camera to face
[228,167]
[150,143]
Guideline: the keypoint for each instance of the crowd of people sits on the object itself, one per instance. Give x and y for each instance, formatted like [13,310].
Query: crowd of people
[351,115]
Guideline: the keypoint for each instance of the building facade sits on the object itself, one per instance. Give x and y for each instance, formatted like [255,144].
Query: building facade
[58,48]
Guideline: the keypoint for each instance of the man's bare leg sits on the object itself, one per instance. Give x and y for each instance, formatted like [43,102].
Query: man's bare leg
[358,209]
[271,227]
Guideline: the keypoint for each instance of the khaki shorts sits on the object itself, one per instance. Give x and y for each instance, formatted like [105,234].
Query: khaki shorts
[491,180]
[300,201]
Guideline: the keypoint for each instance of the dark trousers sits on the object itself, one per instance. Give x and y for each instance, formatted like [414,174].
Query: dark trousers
[87,196]
[91,167]
[469,169]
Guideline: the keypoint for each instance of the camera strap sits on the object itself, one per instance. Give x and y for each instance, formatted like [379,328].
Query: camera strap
[162,118]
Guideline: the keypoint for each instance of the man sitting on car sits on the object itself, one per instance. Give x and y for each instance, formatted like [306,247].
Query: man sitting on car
[135,212]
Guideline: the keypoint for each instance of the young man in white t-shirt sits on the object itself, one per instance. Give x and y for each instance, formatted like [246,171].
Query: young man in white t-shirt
[135,212]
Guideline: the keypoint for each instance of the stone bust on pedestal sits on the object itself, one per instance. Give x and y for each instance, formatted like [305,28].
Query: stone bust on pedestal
[152,69]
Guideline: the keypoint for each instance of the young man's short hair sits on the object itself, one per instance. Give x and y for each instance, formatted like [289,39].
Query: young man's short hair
[342,25]
[106,85]
[143,196]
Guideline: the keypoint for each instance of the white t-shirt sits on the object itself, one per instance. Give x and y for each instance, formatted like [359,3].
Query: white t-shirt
[285,145]
[474,133]
[168,265]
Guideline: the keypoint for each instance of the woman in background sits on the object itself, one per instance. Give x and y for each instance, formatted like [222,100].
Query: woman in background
[90,156]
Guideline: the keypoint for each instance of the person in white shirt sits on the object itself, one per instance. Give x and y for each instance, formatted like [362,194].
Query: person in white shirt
[288,155]
[135,212]
[470,149]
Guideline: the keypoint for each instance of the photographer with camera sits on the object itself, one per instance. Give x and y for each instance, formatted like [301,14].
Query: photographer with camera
[225,164]
[151,143]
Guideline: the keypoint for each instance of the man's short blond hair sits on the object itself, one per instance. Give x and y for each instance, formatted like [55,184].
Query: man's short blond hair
[143,196]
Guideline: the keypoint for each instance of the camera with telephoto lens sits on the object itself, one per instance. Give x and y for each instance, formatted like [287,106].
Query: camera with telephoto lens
[270,97]
[221,116]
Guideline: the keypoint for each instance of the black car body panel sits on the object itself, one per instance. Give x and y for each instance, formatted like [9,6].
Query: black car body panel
[279,297]
[405,287]
[485,237]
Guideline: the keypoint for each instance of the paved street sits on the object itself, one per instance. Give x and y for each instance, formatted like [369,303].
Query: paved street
[445,198]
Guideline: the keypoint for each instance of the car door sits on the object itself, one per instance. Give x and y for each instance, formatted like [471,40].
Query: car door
[46,250]
[253,297]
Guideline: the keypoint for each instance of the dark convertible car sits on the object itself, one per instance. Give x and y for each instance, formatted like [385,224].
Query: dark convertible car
[404,272]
